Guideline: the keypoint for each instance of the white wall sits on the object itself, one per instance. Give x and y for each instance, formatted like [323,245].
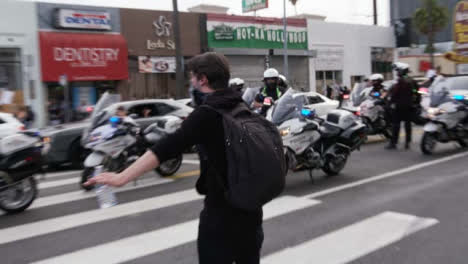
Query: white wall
[19,30]
[356,40]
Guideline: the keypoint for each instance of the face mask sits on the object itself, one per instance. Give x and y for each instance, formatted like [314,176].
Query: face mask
[198,97]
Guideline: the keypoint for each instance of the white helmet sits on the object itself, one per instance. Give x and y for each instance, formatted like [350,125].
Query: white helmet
[282,77]
[376,77]
[400,66]
[271,73]
[431,73]
[236,81]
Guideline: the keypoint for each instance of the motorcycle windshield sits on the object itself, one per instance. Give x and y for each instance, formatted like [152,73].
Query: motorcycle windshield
[288,106]
[99,114]
[439,93]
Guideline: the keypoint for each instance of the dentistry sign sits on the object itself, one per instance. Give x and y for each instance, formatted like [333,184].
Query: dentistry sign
[75,19]
[254,32]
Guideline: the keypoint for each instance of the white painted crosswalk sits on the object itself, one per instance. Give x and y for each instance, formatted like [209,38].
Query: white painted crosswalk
[346,243]
[354,241]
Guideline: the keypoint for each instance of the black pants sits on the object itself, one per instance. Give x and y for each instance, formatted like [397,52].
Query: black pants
[223,241]
[398,116]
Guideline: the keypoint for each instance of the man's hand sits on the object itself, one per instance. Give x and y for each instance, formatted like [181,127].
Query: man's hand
[107,178]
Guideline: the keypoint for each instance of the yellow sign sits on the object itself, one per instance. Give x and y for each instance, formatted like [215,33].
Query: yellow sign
[460,34]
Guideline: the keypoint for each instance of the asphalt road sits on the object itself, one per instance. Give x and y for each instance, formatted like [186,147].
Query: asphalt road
[386,207]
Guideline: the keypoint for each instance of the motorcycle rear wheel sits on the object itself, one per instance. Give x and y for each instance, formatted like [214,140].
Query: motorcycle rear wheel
[22,194]
[333,166]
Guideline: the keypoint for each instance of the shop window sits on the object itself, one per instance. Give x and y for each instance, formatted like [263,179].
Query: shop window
[10,69]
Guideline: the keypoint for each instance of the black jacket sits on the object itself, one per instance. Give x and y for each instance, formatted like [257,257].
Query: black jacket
[204,127]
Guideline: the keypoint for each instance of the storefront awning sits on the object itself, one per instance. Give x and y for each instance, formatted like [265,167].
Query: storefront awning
[83,57]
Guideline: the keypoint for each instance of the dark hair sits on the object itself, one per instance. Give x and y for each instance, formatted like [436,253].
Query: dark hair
[214,66]
[121,108]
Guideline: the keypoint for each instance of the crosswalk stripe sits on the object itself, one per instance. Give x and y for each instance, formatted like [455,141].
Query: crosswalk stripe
[59,174]
[354,241]
[30,230]
[81,195]
[51,184]
[156,241]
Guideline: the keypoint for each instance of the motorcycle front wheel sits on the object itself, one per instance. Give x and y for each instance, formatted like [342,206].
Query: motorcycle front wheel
[333,166]
[19,196]
[428,143]
[170,167]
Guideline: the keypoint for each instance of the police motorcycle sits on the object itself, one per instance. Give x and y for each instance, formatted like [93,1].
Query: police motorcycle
[374,115]
[447,117]
[311,142]
[22,155]
[117,142]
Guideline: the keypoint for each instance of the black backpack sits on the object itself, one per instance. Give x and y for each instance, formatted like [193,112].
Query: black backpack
[256,165]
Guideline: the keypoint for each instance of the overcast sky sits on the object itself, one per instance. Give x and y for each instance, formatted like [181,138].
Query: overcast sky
[347,11]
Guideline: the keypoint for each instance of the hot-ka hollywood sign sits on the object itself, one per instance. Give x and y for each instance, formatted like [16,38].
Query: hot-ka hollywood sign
[67,18]
[249,35]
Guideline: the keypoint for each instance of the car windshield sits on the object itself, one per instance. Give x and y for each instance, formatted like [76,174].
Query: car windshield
[288,106]
[439,93]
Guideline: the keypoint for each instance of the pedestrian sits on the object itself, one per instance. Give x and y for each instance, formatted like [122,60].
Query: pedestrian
[401,104]
[329,91]
[227,233]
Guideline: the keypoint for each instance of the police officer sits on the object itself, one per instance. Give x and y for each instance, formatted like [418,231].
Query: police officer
[401,102]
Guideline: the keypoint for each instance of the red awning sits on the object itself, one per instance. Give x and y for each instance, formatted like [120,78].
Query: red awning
[83,57]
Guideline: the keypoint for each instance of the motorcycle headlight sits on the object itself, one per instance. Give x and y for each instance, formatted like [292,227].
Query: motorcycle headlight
[285,131]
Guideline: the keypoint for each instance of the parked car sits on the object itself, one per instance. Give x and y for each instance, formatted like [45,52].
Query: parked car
[9,125]
[320,103]
[65,140]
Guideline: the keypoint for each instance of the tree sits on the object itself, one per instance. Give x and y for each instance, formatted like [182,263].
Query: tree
[294,2]
[430,19]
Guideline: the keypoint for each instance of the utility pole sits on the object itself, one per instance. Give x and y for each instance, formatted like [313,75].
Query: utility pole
[285,42]
[375,13]
[180,78]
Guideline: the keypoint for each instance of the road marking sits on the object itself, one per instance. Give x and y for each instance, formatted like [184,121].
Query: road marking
[59,174]
[52,184]
[185,174]
[384,176]
[194,162]
[30,230]
[81,195]
[354,241]
[156,241]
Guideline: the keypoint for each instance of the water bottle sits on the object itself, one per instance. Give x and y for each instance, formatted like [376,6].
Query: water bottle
[104,193]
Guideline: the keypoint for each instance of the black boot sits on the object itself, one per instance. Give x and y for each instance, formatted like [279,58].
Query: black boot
[390,146]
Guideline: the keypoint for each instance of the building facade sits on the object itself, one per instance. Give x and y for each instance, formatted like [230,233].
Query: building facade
[20,82]
[346,52]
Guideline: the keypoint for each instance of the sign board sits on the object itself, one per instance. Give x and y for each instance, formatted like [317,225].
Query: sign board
[234,32]
[329,59]
[148,64]
[76,19]
[460,31]
[253,5]
[84,57]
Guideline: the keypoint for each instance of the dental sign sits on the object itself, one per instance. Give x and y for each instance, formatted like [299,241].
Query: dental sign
[75,19]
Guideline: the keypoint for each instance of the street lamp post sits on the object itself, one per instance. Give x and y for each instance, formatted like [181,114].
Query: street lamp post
[285,42]
[178,52]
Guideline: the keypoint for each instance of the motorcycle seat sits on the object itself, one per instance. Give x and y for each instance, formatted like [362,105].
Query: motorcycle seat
[328,130]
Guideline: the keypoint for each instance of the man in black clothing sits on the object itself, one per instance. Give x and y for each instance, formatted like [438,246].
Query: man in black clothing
[225,234]
[401,101]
